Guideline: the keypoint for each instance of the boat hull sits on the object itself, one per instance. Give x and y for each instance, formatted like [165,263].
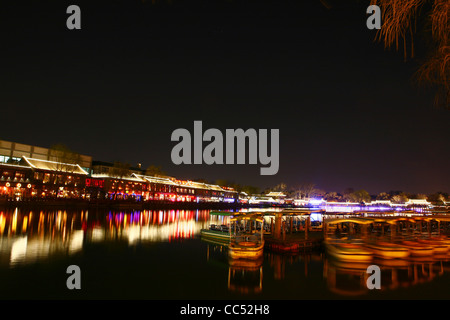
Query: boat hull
[349,253]
[215,235]
[439,246]
[251,251]
[389,251]
[417,249]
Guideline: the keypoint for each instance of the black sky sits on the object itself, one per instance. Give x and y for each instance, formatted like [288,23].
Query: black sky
[348,112]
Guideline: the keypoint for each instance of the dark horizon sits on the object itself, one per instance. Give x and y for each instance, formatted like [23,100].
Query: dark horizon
[348,111]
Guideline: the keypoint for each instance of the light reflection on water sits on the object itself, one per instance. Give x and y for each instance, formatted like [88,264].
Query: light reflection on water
[30,237]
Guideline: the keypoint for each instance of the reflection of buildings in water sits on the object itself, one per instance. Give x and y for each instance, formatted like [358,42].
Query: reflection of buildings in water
[28,236]
[25,249]
[350,279]
[40,223]
[155,226]
[155,233]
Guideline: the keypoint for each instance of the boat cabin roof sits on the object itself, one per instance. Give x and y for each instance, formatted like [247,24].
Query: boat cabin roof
[357,220]
[252,217]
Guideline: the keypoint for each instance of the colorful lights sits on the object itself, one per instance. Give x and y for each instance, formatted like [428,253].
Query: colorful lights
[91,182]
[54,180]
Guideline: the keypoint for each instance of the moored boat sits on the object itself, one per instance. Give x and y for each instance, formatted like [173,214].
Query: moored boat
[216,233]
[439,247]
[246,250]
[246,245]
[418,249]
[349,252]
[387,250]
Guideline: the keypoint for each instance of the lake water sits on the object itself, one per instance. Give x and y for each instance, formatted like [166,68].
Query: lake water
[158,254]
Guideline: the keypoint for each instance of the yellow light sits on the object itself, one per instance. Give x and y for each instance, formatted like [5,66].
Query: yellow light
[2,223]
[24,225]
[14,223]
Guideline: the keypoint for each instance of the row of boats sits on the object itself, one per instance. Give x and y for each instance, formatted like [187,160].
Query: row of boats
[365,251]
[351,239]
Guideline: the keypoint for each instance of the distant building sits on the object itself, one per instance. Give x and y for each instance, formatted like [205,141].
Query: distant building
[386,203]
[279,197]
[276,195]
[418,202]
[32,172]
[301,202]
[262,200]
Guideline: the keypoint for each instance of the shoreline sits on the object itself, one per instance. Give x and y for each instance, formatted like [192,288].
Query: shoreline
[133,205]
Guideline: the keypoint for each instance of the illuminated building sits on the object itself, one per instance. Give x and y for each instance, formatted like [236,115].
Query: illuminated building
[15,181]
[43,179]
[56,179]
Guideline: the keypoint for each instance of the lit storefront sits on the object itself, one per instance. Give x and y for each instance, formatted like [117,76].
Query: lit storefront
[57,180]
[15,182]
[114,188]
[95,188]
[44,179]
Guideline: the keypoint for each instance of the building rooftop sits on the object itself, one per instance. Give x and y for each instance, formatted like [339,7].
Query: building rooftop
[54,166]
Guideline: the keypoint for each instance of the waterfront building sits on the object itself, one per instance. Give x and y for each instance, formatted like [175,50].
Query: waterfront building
[52,179]
[261,200]
[279,197]
[30,178]
[380,203]
[15,181]
[418,202]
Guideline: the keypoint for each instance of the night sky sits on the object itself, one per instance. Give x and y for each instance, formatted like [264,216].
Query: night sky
[348,111]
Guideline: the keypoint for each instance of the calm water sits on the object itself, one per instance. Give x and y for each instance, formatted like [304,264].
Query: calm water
[159,255]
